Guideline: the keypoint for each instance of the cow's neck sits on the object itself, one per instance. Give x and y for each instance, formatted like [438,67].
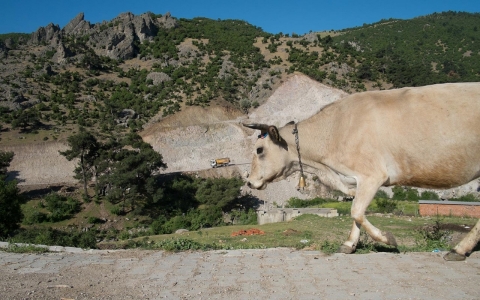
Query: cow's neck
[313,144]
[313,141]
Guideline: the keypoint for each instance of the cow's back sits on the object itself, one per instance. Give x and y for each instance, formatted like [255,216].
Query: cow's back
[427,136]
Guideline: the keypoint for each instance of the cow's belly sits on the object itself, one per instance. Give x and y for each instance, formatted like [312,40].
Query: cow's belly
[444,175]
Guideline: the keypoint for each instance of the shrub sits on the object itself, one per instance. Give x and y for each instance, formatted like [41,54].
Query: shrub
[328,247]
[157,226]
[10,210]
[116,211]
[428,195]
[35,218]
[466,198]
[61,207]
[181,245]
[94,220]
[242,217]
[177,222]
[381,194]
[399,193]
[204,218]
[411,194]
[433,237]
[386,205]
[54,237]
[124,235]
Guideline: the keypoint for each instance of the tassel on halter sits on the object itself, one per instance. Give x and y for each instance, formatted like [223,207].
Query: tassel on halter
[301,183]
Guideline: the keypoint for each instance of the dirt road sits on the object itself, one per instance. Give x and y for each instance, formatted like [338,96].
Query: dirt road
[236,274]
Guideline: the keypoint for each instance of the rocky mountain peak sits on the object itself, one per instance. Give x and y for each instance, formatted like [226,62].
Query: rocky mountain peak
[77,25]
[167,21]
[114,38]
[45,34]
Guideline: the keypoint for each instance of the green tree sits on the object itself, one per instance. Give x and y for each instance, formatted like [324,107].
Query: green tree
[61,207]
[221,192]
[10,198]
[5,159]
[131,172]
[84,147]
[429,195]
[399,193]
[26,118]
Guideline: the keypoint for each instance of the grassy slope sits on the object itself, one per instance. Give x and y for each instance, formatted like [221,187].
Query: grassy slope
[324,234]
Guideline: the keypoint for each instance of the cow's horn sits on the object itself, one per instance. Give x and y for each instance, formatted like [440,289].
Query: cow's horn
[262,127]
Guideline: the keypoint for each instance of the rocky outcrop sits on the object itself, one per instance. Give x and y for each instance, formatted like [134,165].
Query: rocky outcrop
[124,116]
[3,50]
[144,27]
[311,37]
[115,39]
[77,26]
[167,21]
[158,77]
[61,54]
[45,34]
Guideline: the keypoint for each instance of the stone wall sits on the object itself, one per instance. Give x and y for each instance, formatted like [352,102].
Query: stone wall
[449,208]
[287,214]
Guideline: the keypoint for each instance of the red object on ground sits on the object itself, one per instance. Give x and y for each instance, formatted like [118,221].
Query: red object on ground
[252,231]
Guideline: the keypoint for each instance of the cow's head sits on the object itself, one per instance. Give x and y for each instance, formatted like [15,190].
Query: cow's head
[270,157]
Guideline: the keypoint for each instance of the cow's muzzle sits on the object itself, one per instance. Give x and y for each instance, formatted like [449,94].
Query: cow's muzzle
[251,185]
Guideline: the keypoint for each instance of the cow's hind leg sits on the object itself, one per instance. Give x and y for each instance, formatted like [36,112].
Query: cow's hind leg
[465,246]
[365,192]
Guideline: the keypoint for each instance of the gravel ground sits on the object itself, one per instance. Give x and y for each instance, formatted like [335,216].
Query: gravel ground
[236,274]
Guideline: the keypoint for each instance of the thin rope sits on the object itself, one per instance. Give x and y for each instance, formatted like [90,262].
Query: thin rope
[297,142]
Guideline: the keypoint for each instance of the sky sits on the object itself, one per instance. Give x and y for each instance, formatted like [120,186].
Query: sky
[286,16]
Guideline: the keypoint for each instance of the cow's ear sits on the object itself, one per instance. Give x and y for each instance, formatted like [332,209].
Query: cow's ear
[275,136]
[261,127]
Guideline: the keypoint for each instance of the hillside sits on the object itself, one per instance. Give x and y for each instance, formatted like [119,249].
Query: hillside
[188,139]
[185,85]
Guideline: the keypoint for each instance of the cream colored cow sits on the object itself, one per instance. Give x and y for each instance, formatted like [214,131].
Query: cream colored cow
[423,137]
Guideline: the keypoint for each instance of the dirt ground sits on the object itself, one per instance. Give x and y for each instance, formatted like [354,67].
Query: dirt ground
[279,273]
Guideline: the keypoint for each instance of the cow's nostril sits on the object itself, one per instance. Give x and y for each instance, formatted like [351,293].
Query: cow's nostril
[249,184]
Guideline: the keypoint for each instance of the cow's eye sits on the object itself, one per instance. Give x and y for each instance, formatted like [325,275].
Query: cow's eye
[260,150]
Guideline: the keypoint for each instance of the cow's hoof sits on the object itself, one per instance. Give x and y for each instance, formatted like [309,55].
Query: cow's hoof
[454,256]
[391,239]
[345,249]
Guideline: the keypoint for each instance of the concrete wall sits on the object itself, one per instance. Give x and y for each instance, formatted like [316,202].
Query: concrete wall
[449,208]
[286,214]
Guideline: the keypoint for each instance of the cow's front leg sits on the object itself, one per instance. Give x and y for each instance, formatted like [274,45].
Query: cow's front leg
[465,246]
[365,192]
[351,244]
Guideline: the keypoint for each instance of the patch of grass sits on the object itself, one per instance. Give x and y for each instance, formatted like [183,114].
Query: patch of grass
[182,244]
[24,249]
[343,208]
[432,237]
[329,247]
[398,207]
[55,237]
